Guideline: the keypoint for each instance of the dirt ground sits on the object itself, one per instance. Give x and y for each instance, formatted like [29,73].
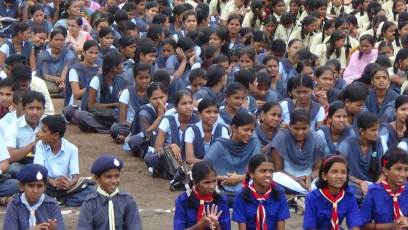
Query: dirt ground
[153,196]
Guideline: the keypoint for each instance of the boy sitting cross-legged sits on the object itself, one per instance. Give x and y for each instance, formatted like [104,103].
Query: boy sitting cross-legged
[60,157]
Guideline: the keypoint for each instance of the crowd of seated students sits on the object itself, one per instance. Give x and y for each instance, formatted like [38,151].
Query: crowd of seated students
[266,100]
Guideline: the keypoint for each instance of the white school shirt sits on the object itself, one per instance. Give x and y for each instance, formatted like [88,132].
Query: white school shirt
[4,154]
[286,116]
[65,162]
[94,84]
[165,127]
[72,77]
[19,134]
[190,136]
[125,99]
[6,120]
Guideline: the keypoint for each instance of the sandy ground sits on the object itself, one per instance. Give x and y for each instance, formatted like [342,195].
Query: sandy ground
[153,196]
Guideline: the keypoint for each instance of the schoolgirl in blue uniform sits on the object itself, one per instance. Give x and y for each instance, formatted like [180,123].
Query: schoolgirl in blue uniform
[262,203]
[379,96]
[198,137]
[171,128]
[234,97]
[385,205]
[303,89]
[130,100]
[214,87]
[354,97]
[263,91]
[127,47]
[102,91]
[324,93]
[297,153]
[248,79]
[105,37]
[278,85]
[363,152]
[148,117]
[337,128]
[202,207]
[333,200]
[246,59]
[237,151]
[78,77]
[270,124]
[392,133]
[184,60]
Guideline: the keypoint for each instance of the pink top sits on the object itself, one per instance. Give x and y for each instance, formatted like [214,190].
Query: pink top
[356,66]
[79,41]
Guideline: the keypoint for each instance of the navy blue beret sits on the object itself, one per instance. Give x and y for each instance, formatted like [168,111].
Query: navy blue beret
[31,173]
[106,162]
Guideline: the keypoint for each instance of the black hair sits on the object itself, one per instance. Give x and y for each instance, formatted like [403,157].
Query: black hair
[146,47]
[242,118]
[401,55]
[129,6]
[159,19]
[179,95]
[77,19]
[325,168]
[178,10]
[258,67]
[155,86]
[331,48]
[249,51]
[263,78]
[214,74]
[199,171]
[403,17]
[393,8]
[309,5]
[354,93]
[126,41]
[233,88]
[256,7]
[336,105]
[303,80]
[290,86]
[302,64]
[169,41]
[269,105]
[205,103]
[35,8]
[304,54]
[9,83]
[401,100]
[58,30]
[185,43]
[201,15]
[245,31]
[299,115]
[121,15]
[393,156]
[260,36]
[56,124]
[39,29]
[326,26]
[111,60]
[210,51]
[21,72]
[30,96]
[377,19]
[278,45]
[102,19]
[16,59]
[18,95]
[154,31]
[150,5]
[87,45]
[220,59]
[373,72]
[196,73]
[140,67]
[365,121]
[253,164]
[383,61]
[162,76]
[106,30]
[20,27]
[245,77]
[335,63]
[286,19]
[322,69]
[306,21]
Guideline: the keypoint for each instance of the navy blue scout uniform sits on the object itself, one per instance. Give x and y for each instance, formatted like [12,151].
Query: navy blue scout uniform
[95,211]
[20,215]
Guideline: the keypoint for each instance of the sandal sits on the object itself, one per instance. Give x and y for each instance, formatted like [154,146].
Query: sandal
[120,139]
[5,200]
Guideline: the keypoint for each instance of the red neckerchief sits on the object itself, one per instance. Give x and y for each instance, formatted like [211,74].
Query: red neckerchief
[260,212]
[334,200]
[204,199]
[397,210]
